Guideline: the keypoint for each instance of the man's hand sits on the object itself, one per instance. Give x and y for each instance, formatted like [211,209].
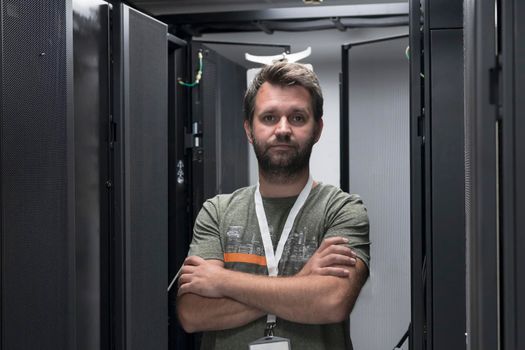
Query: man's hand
[332,258]
[201,277]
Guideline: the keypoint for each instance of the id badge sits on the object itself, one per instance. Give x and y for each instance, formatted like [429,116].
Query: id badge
[270,343]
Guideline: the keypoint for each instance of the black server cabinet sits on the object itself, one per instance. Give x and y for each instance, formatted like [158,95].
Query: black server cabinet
[37,162]
[140,298]
[495,167]
[54,162]
[438,188]
[448,190]
[220,149]
[83,168]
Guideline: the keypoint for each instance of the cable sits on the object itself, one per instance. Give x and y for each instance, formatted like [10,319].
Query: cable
[403,339]
[407,54]
[198,76]
[175,278]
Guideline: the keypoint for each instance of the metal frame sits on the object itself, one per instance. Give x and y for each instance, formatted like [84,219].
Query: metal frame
[481,178]
[344,131]
[118,279]
[417,194]
[344,109]
[426,166]
[176,41]
[284,46]
[106,247]
[344,120]
[512,165]
[71,196]
[370,10]
[2,337]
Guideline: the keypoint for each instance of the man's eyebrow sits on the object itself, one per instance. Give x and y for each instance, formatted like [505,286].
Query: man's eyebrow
[302,109]
[275,109]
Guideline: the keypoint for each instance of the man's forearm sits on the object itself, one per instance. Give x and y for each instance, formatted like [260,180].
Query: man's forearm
[323,292]
[197,313]
[304,299]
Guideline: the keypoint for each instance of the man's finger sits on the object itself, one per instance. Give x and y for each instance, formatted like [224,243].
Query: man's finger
[193,260]
[338,259]
[183,289]
[183,279]
[335,271]
[186,269]
[330,242]
[338,249]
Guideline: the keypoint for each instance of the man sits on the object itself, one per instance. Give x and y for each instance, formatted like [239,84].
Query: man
[289,225]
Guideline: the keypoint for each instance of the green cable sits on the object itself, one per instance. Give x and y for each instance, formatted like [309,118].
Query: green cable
[407,54]
[198,76]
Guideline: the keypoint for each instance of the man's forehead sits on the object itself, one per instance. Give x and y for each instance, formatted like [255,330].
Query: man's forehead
[270,94]
[287,87]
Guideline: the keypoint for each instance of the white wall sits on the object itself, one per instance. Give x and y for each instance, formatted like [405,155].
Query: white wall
[326,60]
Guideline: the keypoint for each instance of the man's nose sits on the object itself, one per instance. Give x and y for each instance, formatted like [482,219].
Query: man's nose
[283,127]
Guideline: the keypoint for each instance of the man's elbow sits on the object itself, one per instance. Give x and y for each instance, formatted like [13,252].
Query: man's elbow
[338,306]
[337,310]
[187,319]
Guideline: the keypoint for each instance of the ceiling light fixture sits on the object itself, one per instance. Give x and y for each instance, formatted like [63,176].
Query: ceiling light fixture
[312,2]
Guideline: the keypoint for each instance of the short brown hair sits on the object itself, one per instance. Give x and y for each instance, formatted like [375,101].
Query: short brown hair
[285,74]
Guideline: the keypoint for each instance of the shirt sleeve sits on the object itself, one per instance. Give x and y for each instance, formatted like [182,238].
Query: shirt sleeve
[206,241]
[347,217]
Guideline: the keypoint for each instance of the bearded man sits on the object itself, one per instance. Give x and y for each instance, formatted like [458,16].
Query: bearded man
[278,265]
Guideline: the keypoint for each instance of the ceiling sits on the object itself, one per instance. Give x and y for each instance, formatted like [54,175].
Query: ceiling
[169,7]
[192,18]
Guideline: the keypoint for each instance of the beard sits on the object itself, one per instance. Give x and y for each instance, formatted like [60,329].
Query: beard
[283,166]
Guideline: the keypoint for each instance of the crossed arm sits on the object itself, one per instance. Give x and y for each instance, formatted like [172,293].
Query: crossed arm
[212,298]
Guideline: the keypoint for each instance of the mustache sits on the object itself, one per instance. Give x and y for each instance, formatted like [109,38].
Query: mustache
[282,140]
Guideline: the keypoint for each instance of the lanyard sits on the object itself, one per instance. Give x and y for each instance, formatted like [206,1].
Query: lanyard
[272,259]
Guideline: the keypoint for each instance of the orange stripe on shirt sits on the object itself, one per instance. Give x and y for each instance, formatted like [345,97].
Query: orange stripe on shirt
[245,258]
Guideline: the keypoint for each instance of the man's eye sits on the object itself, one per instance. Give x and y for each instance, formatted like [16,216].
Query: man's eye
[298,118]
[268,118]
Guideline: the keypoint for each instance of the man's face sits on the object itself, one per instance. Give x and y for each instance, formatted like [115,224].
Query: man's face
[283,130]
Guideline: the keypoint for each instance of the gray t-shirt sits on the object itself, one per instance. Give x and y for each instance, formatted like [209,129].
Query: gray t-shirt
[227,229]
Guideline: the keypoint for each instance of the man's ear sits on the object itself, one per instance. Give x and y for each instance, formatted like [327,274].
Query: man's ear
[318,129]
[248,130]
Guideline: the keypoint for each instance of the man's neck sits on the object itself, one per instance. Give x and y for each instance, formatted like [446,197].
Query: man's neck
[273,188]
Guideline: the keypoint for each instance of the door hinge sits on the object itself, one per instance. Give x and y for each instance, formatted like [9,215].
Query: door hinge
[193,141]
[194,138]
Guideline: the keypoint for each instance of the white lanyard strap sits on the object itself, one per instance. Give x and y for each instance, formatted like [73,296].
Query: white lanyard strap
[272,259]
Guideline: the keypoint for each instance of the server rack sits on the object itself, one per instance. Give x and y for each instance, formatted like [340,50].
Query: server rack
[37,160]
[495,165]
[481,170]
[141,183]
[83,155]
[438,219]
